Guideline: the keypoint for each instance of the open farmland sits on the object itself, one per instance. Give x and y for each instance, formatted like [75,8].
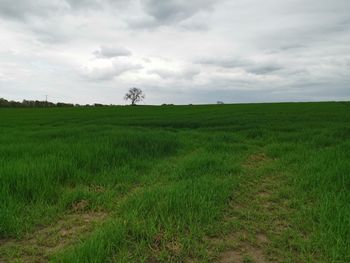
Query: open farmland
[220,183]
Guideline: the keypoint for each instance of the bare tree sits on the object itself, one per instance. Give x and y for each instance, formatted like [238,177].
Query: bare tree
[135,95]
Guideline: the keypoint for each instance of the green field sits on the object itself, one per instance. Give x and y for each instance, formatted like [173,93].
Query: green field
[220,183]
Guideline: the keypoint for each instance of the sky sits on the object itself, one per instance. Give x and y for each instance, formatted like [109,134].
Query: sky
[176,51]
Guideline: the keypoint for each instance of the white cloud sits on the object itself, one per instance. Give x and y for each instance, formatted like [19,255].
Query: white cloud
[177,75]
[108,71]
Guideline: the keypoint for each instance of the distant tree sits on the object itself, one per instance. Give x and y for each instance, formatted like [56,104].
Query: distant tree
[219,102]
[3,103]
[134,95]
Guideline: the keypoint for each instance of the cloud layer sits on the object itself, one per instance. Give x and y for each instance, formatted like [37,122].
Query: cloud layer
[177,51]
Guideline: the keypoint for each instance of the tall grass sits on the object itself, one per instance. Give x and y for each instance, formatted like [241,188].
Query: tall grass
[168,173]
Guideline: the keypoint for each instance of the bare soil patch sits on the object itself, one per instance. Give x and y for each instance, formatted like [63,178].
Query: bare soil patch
[255,160]
[37,247]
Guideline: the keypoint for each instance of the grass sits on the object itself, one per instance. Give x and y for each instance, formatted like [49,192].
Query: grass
[171,180]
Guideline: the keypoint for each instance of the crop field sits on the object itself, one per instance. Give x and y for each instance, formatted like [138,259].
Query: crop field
[220,183]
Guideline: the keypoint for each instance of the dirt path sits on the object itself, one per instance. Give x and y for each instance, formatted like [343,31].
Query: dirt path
[40,245]
[256,215]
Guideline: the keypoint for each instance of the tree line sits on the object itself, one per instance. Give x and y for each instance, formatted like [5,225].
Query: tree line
[134,95]
[40,104]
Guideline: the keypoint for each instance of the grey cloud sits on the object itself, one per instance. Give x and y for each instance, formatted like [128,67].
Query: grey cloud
[326,23]
[111,52]
[263,69]
[292,46]
[224,62]
[189,74]
[84,4]
[45,8]
[146,23]
[57,21]
[28,8]
[194,26]
[258,68]
[170,11]
[52,31]
[287,48]
[93,5]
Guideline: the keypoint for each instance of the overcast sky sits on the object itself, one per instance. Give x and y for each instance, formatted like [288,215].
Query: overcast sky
[177,51]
